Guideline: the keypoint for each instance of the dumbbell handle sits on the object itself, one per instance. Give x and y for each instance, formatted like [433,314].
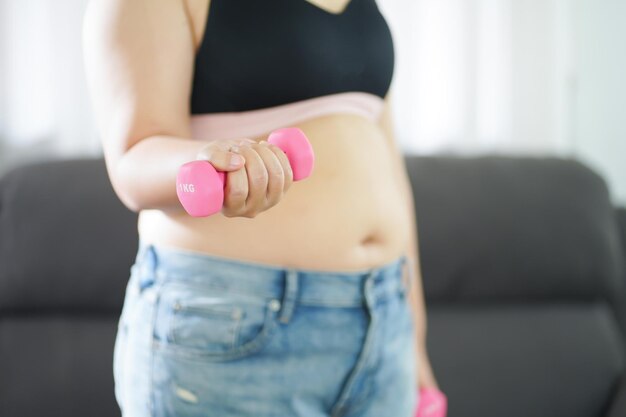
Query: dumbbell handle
[200,187]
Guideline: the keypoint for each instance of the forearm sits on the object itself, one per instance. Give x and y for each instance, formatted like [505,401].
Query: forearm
[416,290]
[145,176]
[416,299]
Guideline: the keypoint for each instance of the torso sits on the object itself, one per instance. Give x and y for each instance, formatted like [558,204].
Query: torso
[348,215]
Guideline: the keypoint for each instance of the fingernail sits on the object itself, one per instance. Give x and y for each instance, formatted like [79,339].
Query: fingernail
[235,160]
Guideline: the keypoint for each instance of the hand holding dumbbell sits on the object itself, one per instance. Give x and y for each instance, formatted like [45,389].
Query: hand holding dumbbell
[200,187]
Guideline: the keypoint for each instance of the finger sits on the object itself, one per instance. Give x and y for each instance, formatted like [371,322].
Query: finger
[275,174]
[236,191]
[220,157]
[284,161]
[244,141]
[257,180]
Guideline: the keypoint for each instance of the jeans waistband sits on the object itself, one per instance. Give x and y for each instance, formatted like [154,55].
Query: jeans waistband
[307,286]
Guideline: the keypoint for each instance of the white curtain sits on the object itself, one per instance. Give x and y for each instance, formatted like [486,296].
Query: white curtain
[44,106]
[477,76]
[471,76]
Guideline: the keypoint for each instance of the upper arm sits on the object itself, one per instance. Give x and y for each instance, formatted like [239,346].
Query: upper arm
[139,64]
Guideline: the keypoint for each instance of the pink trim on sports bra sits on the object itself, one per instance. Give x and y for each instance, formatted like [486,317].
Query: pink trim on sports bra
[252,123]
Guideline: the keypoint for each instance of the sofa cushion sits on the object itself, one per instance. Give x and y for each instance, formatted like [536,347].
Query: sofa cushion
[57,365]
[521,360]
[66,241]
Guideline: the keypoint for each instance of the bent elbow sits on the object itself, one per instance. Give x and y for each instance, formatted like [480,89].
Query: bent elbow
[121,183]
[124,195]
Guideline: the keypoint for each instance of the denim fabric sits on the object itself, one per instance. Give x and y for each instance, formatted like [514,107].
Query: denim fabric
[206,336]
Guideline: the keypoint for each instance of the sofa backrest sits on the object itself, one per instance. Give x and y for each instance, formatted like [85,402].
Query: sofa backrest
[522,264]
[66,247]
[504,229]
[620,214]
[523,270]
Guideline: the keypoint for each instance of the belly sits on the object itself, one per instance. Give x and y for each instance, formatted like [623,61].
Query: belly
[350,214]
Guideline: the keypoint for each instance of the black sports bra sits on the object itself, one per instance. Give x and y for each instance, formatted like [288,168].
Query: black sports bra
[257,54]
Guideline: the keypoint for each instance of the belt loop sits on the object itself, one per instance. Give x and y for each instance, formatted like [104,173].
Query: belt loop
[369,283]
[409,265]
[289,295]
[148,267]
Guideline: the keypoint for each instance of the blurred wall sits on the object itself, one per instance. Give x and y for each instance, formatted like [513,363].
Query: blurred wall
[471,77]
[44,106]
[600,111]
[483,76]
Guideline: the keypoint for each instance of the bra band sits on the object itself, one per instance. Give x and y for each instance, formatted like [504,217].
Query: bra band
[253,123]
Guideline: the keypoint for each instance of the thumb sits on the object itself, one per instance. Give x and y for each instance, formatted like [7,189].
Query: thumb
[222,160]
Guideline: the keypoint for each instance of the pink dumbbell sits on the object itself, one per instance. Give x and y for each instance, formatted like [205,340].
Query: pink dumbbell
[200,187]
[432,403]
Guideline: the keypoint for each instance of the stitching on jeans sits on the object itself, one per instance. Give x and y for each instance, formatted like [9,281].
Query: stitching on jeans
[173,282]
[339,407]
[153,315]
[357,405]
[269,327]
[329,303]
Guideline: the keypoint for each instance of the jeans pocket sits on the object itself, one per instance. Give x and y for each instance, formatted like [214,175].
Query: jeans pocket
[212,324]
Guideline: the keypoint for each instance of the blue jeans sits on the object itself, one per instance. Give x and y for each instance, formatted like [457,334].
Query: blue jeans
[206,336]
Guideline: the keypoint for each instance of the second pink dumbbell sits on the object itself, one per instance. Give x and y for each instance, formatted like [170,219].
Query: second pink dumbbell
[432,403]
[200,187]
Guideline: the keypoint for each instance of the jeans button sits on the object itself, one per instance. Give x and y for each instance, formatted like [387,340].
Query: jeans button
[237,314]
[274,304]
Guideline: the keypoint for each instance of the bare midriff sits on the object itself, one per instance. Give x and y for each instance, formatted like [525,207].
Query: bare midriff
[349,215]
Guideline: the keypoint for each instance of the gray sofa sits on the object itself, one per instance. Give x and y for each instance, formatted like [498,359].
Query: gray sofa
[522,261]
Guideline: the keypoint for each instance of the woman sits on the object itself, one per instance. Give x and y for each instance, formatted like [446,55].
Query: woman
[294,299]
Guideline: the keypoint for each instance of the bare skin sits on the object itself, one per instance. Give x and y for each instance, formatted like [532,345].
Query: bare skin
[354,212]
